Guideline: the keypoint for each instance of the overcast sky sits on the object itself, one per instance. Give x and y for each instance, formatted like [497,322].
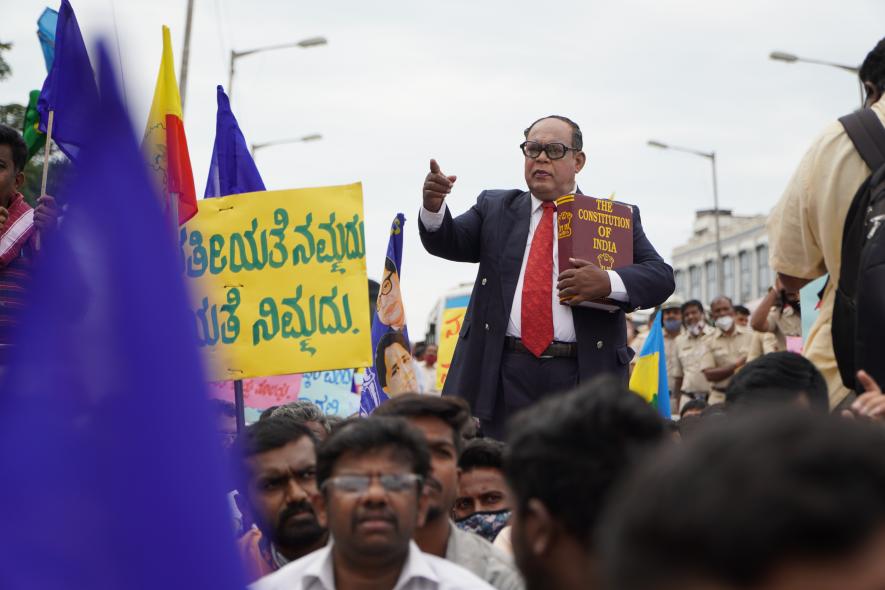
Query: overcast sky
[403,81]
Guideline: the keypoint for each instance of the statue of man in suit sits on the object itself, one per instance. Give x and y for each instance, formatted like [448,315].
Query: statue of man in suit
[518,343]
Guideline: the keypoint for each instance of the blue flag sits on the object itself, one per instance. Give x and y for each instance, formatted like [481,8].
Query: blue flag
[69,89]
[46,25]
[649,378]
[110,474]
[393,371]
[232,170]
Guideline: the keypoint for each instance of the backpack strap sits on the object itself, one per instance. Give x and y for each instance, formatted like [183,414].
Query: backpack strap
[868,136]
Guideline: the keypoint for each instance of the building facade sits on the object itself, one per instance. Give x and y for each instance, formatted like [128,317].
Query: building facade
[746,275]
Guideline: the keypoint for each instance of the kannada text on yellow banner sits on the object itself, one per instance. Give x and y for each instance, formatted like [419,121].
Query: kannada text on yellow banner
[278,280]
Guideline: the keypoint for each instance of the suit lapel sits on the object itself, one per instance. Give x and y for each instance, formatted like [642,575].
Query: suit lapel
[515,231]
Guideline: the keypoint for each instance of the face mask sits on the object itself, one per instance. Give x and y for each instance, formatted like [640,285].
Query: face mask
[429,359]
[725,323]
[485,524]
[672,325]
[696,329]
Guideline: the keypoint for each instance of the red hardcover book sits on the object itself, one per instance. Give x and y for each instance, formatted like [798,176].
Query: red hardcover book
[597,230]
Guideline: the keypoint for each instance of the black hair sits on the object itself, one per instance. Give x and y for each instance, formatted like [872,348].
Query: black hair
[741,309]
[872,69]
[568,451]
[759,492]
[12,138]
[482,452]
[693,302]
[390,338]
[451,410]
[265,414]
[695,404]
[272,433]
[366,435]
[390,266]
[778,377]
[577,136]
[304,410]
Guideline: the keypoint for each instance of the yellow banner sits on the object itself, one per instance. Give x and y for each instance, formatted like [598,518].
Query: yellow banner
[279,281]
[452,319]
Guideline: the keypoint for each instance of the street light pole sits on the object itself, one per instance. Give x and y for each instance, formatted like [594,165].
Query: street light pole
[257,146]
[234,55]
[712,157]
[790,58]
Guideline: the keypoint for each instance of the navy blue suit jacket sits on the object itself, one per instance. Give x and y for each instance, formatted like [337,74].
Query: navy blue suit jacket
[494,233]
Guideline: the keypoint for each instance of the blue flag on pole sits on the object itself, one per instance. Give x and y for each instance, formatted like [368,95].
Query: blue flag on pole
[112,473]
[232,170]
[46,25]
[69,89]
[392,372]
[649,378]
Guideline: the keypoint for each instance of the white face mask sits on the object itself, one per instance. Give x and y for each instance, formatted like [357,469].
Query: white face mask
[696,329]
[725,323]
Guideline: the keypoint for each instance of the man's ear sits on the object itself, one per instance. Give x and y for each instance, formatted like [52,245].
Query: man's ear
[19,180]
[319,505]
[580,160]
[873,94]
[538,526]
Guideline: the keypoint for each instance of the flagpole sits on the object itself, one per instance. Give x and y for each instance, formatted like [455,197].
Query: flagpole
[45,180]
[240,405]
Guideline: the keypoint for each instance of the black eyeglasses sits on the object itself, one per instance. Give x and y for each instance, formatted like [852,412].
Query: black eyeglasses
[554,151]
[395,483]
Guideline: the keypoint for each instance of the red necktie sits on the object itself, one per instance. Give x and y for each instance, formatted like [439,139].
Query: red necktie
[537,287]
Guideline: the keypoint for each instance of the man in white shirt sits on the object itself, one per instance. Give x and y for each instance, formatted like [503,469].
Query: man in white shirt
[517,342]
[371,475]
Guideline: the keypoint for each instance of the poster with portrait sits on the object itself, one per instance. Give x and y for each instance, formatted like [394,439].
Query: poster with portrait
[392,371]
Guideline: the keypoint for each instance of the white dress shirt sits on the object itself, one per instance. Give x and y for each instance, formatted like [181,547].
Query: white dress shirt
[315,571]
[563,323]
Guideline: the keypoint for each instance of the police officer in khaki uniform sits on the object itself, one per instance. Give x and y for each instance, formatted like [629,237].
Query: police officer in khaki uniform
[778,314]
[727,348]
[690,355]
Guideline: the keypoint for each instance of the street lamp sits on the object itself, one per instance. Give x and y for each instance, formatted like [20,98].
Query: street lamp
[712,157]
[305,138]
[234,55]
[790,58]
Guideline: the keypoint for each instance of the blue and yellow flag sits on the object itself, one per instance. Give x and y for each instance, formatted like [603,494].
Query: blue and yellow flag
[649,377]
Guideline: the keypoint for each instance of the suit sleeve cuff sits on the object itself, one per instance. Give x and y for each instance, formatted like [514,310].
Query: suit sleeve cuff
[433,221]
[619,291]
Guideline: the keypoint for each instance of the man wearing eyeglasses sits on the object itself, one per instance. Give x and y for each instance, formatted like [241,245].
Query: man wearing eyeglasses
[517,342]
[371,476]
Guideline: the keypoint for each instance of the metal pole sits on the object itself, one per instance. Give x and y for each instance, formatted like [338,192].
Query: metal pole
[230,77]
[240,405]
[719,277]
[185,52]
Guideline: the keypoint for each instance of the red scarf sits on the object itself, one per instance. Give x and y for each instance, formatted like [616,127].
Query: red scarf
[17,230]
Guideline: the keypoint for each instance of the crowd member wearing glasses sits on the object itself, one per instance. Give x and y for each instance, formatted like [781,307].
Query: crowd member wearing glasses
[371,475]
[517,342]
[441,420]
[279,462]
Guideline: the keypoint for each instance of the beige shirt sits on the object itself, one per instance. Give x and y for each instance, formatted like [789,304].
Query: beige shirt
[724,349]
[670,353]
[805,232]
[782,324]
[762,343]
[691,359]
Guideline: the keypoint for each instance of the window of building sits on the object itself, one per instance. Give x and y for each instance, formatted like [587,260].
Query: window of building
[679,277]
[710,271]
[694,276]
[728,275]
[746,276]
[763,273]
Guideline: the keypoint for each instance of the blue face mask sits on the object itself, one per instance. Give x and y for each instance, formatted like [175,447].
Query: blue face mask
[672,325]
[485,524]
